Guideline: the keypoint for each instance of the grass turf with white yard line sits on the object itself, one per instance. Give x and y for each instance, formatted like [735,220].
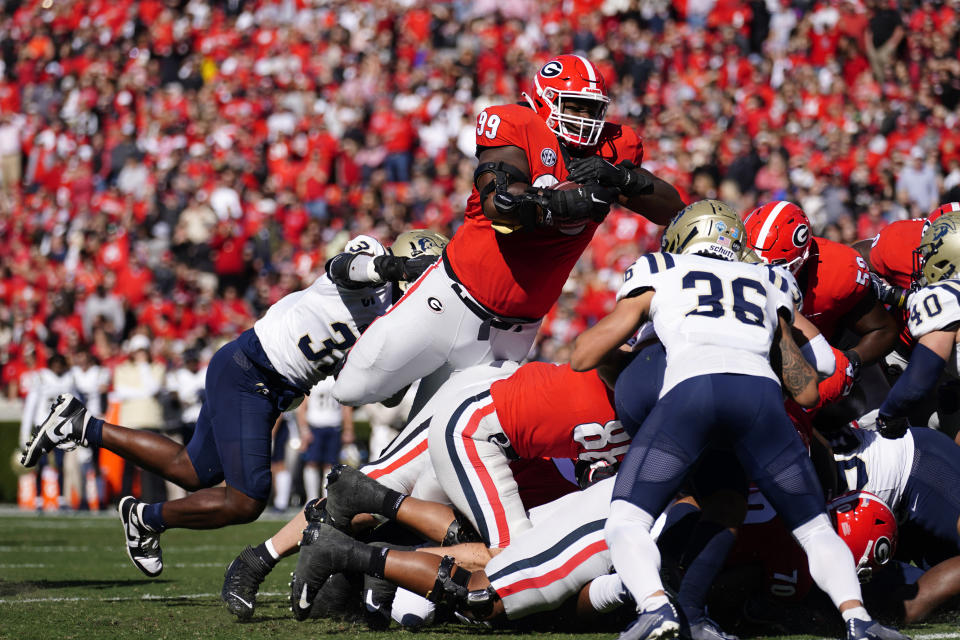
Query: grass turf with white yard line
[69,577]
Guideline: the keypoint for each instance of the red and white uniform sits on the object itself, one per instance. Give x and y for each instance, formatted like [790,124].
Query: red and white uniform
[891,256]
[540,411]
[835,281]
[485,300]
[550,562]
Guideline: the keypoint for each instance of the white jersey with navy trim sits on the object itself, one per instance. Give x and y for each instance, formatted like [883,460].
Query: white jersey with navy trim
[323,410]
[936,307]
[306,333]
[712,316]
[867,461]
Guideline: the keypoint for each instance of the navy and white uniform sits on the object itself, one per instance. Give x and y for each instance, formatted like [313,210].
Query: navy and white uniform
[936,307]
[917,475]
[268,370]
[717,322]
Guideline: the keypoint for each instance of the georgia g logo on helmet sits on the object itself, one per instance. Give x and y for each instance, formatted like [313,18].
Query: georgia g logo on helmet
[801,235]
[552,69]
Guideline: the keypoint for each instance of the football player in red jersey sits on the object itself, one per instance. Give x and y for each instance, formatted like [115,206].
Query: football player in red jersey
[506,265]
[892,256]
[836,286]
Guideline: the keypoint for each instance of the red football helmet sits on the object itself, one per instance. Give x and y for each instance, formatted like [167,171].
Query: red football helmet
[570,77]
[868,527]
[917,274]
[779,232]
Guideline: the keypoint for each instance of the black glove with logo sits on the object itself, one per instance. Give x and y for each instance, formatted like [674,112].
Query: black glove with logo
[621,176]
[890,427]
[586,202]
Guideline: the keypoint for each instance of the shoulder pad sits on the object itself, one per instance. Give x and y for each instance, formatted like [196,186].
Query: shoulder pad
[640,275]
[936,307]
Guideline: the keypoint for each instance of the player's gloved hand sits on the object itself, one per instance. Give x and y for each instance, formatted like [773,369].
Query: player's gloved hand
[588,474]
[889,294]
[586,202]
[390,268]
[890,427]
[853,367]
[840,383]
[622,176]
[414,267]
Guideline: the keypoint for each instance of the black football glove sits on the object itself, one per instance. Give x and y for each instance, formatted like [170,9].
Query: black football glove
[414,267]
[389,268]
[586,202]
[889,294]
[621,176]
[890,427]
[588,474]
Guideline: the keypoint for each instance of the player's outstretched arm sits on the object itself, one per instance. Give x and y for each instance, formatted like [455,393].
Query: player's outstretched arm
[878,332]
[612,331]
[659,206]
[798,377]
[813,346]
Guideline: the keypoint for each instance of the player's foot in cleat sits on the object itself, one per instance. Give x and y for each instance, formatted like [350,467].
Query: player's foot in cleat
[350,492]
[659,624]
[706,629]
[871,630]
[143,544]
[64,427]
[323,552]
[241,582]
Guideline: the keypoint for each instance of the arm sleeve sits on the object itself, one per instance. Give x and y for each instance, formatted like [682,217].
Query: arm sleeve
[819,354]
[917,380]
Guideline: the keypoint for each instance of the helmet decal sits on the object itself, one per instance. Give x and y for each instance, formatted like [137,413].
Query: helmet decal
[552,69]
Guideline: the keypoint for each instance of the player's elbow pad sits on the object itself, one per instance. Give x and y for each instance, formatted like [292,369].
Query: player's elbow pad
[820,356]
[352,271]
[917,380]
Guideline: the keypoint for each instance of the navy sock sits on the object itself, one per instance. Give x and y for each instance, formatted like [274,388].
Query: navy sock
[681,520]
[703,568]
[153,517]
[94,434]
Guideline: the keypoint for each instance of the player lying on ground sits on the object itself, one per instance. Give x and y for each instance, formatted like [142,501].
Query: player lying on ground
[561,556]
[722,322]
[250,381]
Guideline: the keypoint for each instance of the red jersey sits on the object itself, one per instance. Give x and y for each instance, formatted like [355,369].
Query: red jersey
[891,254]
[521,274]
[891,257]
[834,280]
[551,411]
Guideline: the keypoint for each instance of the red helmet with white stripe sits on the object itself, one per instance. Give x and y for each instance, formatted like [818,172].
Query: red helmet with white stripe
[569,78]
[779,232]
[869,528]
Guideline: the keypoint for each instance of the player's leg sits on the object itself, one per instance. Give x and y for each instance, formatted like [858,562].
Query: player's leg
[551,562]
[466,451]
[721,489]
[635,402]
[930,495]
[774,456]
[413,339]
[660,455]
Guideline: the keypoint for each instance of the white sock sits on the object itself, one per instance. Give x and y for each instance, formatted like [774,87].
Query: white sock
[653,602]
[607,593]
[634,553]
[281,485]
[311,481]
[830,560]
[271,549]
[856,613]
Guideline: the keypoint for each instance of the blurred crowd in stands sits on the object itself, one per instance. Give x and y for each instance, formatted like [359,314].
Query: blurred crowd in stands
[170,168]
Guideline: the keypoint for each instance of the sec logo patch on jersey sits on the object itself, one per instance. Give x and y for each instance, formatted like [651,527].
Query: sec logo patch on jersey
[548,157]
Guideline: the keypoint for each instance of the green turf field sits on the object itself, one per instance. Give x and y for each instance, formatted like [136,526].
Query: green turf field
[69,577]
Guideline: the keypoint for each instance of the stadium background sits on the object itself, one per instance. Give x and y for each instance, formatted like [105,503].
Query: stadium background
[173,168]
